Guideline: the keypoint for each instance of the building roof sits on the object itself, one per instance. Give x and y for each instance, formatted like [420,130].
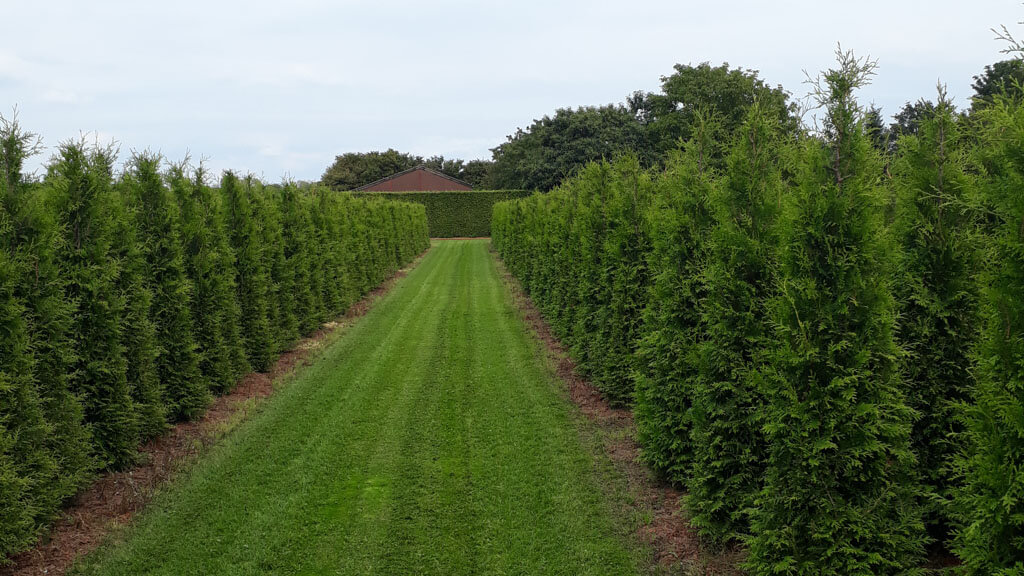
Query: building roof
[421,167]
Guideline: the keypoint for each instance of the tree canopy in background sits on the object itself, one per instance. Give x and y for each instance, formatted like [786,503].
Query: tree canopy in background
[1005,77]
[650,125]
[476,173]
[354,169]
[718,92]
[554,147]
[907,122]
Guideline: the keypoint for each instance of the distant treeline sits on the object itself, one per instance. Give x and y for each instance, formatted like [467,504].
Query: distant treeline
[354,169]
[650,125]
[821,333]
[128,299]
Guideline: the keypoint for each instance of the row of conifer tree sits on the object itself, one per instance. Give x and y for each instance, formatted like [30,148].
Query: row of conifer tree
[823,345]
[128,299]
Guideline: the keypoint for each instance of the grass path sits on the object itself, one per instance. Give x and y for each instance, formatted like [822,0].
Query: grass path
[429,439]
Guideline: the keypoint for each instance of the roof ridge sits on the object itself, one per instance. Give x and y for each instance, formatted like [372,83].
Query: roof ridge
[423,167]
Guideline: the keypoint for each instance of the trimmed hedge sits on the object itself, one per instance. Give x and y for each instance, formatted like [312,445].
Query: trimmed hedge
[455,214]
[127,301]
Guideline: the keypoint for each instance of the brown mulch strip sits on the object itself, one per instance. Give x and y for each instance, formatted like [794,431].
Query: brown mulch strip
[676,545]
[115,497]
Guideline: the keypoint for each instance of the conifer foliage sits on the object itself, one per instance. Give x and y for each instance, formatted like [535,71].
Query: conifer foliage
[590,261]
[729,447]
[43,441]
[938,293]
[186,391]
[297,247]
[673,329]
[991,501]
[768,378]
[253,278]
[210,266]
[839,495]
[137,327]
[80,186]
[127,300]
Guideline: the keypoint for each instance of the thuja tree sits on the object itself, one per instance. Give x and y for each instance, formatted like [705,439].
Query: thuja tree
[558,258]
[590,188]
[224,288]
[316,254]
[297,245]
[253,279]
[280,292]
[356,245]
[937,291]
[329,261]
[991,540]
[728,408]
[555,243]
[839,498]
[209,263]
[564,262]
[186,392]
[584,246]
[32,239]
[626,276]
[668,351]
[79,183]
[27,464]
[138,330]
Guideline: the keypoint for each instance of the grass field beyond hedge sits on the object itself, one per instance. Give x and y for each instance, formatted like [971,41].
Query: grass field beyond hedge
[429,439]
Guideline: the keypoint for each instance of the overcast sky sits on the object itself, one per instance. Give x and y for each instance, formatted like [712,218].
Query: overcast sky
[279,88]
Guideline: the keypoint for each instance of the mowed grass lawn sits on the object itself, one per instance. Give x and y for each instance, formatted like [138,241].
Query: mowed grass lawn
[430,438]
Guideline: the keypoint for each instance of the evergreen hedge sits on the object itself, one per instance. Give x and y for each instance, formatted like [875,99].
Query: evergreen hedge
[830,355]
[185,391]
[455,214]
[580,251]
[937,286]
[840,496]
[210,266]
[81,195]
[990,501]
[127,300]
[740,274]
[673,329]
[45,437]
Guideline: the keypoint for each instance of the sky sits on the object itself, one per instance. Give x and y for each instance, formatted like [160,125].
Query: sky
[278,89]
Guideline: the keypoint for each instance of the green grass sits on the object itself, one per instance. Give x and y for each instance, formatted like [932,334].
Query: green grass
[429,439]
